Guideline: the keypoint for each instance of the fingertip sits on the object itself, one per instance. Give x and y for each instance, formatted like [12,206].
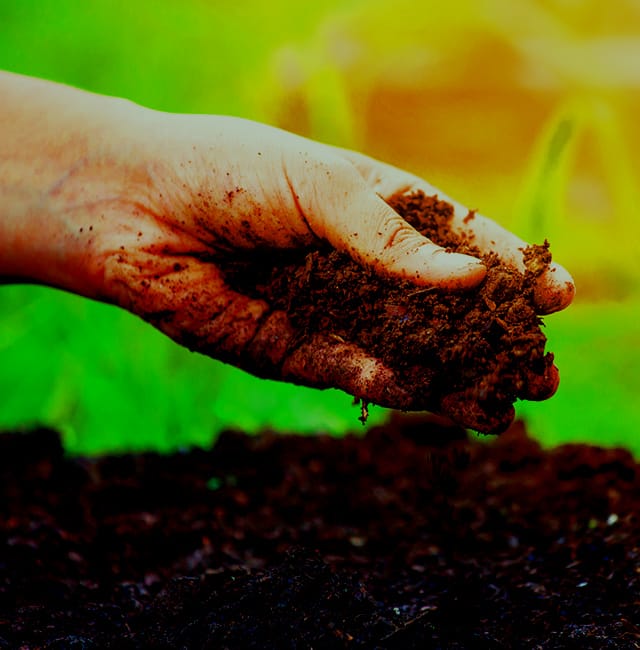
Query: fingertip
[448,270]
[322,363]
[542,386]
[555,290]
[473,272]
[386,242]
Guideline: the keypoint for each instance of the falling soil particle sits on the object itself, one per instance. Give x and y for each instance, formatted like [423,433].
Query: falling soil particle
[465,354]
[412,536]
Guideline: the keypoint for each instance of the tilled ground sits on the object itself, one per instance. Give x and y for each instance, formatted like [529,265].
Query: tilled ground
[409,537]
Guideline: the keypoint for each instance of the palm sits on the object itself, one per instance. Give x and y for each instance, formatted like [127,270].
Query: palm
[222,185]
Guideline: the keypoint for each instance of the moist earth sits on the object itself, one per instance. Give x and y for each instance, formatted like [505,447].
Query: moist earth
[413,535]
[467,354]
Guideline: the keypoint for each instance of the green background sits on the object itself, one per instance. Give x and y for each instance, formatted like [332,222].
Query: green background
[109,382]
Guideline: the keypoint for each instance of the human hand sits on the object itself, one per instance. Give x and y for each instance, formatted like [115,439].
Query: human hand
[143,209]
[204,188]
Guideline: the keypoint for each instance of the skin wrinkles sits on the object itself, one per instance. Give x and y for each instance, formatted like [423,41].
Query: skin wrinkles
[215,320]
[298,206]
[136,207]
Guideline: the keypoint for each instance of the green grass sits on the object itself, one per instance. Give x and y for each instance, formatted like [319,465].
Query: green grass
[101,376]
[597,340]
[110,382]
[597,348]
[186,56]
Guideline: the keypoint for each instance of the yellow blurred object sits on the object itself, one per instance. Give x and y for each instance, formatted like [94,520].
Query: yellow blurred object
[524,110]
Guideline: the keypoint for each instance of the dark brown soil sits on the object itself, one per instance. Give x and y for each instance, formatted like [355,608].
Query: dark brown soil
[399,539]
[469,355]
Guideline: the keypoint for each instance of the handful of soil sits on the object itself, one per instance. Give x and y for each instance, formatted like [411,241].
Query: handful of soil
[467,355]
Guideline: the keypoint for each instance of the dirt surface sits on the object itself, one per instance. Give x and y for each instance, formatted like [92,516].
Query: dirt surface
[469,355]
[409,537]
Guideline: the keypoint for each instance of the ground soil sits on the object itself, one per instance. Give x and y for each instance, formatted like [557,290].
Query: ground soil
[411,536]
[466,354]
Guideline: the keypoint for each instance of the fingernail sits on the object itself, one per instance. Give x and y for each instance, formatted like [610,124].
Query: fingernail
[554,290]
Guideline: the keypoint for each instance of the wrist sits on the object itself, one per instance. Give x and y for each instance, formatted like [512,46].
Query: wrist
[64,162]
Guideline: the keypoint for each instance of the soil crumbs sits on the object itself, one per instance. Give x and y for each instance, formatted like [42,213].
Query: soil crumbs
[465,354]
[411,536]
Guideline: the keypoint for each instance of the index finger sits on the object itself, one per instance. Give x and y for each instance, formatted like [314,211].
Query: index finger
[555,287]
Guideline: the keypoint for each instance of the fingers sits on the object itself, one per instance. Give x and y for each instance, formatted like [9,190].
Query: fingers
[541,386]
[186,299]
[376,236]
[323,362]
[555,287]
[467,411]
[189,301]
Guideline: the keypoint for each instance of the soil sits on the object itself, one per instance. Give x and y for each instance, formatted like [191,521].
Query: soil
[468,354]
[411,536]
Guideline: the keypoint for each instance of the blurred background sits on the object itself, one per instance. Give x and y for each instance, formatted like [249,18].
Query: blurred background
[526,110]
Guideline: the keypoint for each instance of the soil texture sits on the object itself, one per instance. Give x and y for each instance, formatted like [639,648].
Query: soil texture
[411,536]
[467,354]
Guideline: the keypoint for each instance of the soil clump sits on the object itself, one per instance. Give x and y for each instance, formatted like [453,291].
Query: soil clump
[412,536]
[467,354]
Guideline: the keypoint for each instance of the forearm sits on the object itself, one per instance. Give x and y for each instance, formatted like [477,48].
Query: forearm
[57,161]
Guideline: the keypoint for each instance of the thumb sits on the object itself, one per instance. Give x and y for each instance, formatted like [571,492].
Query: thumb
[366,228]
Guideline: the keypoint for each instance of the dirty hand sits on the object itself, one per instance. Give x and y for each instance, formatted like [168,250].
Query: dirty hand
[142,213]
[212,186]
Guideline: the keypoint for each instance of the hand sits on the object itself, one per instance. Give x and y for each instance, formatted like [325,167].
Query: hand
[209,186]
[138,208]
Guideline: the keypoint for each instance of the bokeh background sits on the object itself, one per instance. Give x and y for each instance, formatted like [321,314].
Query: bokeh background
[527,110]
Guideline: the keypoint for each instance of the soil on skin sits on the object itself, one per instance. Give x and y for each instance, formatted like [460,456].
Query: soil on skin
[469,355]
[409,537]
